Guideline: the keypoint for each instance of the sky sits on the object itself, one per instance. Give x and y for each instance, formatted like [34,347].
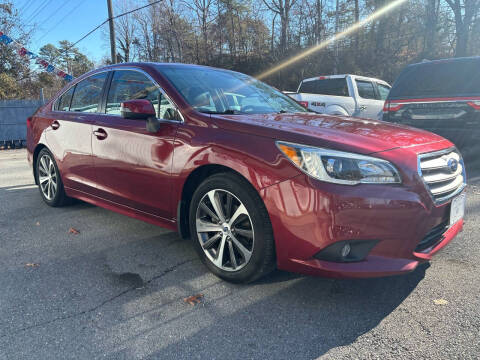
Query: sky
[56,20]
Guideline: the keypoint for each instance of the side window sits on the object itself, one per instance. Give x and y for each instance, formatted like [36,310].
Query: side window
[63,103]
[87,93]
[335,87]
[383,91]
[365,89]
[130,85]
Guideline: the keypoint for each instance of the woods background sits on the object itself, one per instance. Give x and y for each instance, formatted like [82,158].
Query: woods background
[251,36]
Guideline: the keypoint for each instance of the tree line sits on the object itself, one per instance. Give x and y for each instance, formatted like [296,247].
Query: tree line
[252,36]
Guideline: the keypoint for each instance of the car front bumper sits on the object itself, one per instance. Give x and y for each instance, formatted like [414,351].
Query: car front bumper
[308,215]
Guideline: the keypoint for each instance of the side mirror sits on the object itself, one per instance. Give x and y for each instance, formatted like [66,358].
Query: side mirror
[140,109]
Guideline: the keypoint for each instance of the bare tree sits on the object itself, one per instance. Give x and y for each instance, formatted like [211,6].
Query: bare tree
[465,12]
[282,8]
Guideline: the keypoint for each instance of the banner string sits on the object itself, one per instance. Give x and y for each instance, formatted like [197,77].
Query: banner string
[23,52]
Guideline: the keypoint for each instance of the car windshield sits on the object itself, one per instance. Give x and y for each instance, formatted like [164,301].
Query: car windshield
[215,91]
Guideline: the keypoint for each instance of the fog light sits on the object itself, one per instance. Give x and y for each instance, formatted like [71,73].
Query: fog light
[346,250]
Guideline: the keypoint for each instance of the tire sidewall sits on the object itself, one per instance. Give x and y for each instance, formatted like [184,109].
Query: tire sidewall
[252,202]
[57,199]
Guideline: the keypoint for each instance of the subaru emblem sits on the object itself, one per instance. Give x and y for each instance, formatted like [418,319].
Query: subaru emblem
[452,164]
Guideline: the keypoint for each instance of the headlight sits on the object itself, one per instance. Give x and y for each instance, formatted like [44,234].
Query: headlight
[340,167]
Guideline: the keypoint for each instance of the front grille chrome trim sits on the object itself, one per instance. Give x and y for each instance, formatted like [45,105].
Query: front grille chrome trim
[442,185]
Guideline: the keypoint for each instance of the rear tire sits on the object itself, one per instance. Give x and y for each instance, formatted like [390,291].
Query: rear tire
[49,180]
[234,236]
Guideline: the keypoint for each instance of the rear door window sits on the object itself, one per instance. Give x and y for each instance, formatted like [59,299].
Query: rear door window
[366,89]
[383,91]
[336,87]
[439,79]
[87,94]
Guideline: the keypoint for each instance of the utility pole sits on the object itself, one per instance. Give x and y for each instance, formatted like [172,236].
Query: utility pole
[335,64]
[112,32]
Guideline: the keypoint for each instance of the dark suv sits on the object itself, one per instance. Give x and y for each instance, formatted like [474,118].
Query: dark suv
[442,96]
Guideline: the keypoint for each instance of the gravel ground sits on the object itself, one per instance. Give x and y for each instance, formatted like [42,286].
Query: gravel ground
[116,290]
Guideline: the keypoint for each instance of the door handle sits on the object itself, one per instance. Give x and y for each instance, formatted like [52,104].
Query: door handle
[55,125]
[363,107]
[100,134]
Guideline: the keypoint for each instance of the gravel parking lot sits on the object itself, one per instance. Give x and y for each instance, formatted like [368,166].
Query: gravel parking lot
[116,290]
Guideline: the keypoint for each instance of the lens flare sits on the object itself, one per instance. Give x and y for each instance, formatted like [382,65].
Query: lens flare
[355,27]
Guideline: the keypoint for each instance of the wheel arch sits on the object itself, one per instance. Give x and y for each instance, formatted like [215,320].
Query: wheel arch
[194,179]
[336,109]
[37,150]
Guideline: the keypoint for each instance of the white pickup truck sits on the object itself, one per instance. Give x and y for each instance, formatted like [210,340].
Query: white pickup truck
[350,95]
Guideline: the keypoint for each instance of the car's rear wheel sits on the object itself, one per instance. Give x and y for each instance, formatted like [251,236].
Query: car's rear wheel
[49,180]
[231,229]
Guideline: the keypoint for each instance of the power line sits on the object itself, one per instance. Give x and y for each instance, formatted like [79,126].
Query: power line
[60,21]
[56,10]
[34,12]
[115,17]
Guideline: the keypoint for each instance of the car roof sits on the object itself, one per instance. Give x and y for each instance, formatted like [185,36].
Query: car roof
[342,76]
[447,60]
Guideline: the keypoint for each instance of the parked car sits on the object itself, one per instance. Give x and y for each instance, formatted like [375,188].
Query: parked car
[259,184]
[350,95]
[441,96]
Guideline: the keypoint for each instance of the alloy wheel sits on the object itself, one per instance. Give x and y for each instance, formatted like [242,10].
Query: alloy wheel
[47,177]
[225,230]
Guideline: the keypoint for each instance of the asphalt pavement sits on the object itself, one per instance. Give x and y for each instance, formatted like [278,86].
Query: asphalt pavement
[116,290]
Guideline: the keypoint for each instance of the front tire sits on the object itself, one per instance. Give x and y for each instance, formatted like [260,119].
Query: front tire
[49,181]
[231,229]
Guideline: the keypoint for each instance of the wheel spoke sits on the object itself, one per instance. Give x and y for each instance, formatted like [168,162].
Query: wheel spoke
[43,165]
[44,188]
[42,179]
[210,242]
[216,205]
[240,210]
[233,259]
[205,226]
[219,260]
[54,186]
[244,232]
[208,211]
[48,190]
[51,168]
[243,250]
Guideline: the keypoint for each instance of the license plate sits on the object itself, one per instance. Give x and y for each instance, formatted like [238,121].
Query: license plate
[457,209]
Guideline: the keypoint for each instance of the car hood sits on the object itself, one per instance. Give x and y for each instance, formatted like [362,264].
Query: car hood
[337,132]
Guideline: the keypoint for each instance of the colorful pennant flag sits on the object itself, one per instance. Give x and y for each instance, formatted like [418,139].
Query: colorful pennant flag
[39,61]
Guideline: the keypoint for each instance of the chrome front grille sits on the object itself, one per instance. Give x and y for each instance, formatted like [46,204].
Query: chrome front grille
[443,173]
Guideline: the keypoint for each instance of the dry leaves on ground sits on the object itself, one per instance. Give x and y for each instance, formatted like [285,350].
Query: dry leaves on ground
[31,265]
[440,302]
[73,231]
[194,299]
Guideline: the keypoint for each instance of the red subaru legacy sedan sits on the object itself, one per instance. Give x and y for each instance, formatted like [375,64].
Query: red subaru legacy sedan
[255,180]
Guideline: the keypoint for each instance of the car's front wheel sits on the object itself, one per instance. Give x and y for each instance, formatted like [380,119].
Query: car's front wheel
[49,180]
[231,229]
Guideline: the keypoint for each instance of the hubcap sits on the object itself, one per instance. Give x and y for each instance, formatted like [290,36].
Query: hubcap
[225,230]
[47,177]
